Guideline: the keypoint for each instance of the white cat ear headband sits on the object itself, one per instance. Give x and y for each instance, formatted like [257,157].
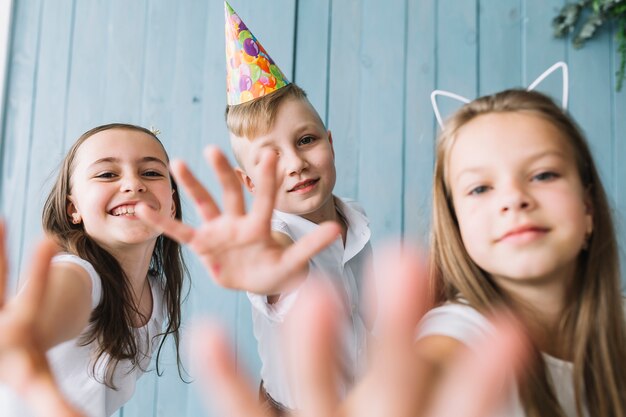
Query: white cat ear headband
[562,65]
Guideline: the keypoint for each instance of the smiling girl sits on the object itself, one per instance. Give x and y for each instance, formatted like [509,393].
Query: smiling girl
[118,280]
[521,220]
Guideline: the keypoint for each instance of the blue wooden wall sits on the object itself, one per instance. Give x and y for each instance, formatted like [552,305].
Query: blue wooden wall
[368,66]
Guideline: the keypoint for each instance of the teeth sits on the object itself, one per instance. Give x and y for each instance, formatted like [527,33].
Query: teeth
[123,211]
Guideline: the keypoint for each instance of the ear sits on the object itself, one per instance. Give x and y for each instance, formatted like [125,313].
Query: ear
[588,212]
[330,140]
[173,209]
[72,211]
[245,180]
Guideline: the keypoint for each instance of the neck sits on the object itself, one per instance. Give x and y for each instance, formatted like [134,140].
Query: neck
[540,303]
[328,212]
[135,262]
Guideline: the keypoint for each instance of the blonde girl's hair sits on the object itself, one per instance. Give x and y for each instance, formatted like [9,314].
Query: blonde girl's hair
[111,321]
[593,321]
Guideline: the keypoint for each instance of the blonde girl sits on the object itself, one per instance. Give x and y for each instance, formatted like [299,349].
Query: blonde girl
[521,220]
[114,293]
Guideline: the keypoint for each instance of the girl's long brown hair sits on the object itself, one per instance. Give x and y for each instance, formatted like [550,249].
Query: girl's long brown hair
[593,323]
[111,321]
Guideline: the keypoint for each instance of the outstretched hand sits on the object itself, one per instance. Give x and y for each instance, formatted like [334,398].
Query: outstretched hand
[23,363]
[237,247]
[398,382]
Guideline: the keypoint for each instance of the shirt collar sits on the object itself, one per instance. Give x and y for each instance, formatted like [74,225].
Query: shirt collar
[358,227]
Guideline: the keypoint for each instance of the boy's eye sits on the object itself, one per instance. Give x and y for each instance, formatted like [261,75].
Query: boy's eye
[306,140]
[481,189]
[546,176]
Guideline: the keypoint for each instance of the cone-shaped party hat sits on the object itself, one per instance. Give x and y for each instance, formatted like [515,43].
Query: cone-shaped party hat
[250,71]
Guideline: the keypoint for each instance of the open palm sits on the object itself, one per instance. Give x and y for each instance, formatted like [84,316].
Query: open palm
[398,382]
[23,363]
[236,246]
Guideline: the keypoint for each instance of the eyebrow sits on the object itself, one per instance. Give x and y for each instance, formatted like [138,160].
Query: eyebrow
[117,160]
[531,158]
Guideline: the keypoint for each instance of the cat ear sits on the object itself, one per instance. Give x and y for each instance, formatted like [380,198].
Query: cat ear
[563,66]
[433,100]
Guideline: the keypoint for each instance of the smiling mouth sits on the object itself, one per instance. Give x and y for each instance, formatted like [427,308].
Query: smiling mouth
[125,210]
[304,185]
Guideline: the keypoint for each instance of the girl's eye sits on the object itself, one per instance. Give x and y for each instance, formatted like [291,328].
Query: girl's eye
[481,189]
[546,176]
[307,140]
[106,175]
[152,174]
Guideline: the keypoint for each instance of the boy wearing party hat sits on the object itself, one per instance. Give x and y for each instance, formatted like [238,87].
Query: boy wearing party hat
[266,111]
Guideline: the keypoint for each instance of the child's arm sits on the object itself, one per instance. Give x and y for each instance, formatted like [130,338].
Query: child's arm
[239,248]
[23,363]
[397,384]
[66,307]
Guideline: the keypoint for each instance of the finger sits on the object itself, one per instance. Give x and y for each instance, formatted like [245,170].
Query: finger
[313,335]
[37,278]
[3,264]
[403,296]
[204,202]
[480,380]
[219,380]
[233,193]
[173,228]
[297,255]
[265,194]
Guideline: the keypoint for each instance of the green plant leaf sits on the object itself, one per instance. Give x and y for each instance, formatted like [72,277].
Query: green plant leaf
[600,12]
[566,20]
[588,30]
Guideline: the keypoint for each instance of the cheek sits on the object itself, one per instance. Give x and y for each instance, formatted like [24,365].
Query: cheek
[474,229]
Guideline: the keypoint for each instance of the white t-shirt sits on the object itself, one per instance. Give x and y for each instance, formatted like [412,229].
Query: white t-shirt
[72,363]
[346,267]
[467,325]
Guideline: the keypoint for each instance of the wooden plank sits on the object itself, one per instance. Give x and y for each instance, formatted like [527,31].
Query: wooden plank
[499,30]
[344,93]
[457,51]
[540,49]
[17,133]
[590,82]
[381,117]
[618,101]
[125,59]
[88,70]
[6,22]
[158,68]
[49,103]
[312,59]
[184,140]
[420,125]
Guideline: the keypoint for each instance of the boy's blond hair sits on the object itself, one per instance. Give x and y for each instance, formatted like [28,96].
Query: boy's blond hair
[256,117]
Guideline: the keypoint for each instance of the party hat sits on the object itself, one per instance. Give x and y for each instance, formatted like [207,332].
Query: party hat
[250,71]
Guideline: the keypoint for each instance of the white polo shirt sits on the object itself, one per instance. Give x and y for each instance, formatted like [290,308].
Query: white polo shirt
[345,266]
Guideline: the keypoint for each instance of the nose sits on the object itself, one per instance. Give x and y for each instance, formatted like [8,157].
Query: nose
[294,162]
[515,198]
[133,183]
